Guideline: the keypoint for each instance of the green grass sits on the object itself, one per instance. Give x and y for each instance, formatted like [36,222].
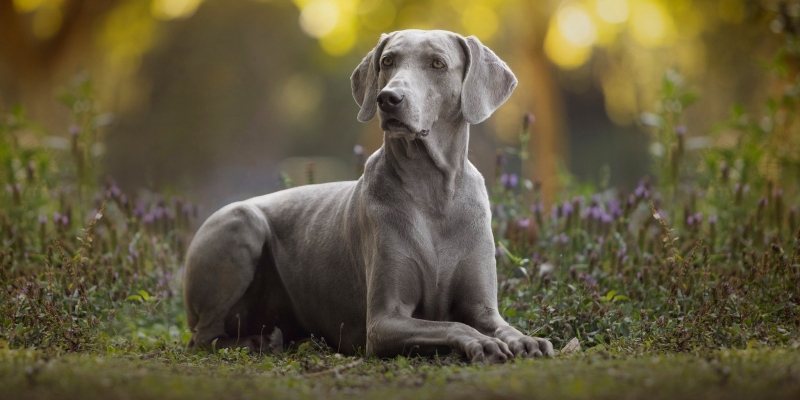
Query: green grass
[728,374]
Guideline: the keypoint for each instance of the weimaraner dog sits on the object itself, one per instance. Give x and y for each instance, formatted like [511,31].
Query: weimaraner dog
[400,261]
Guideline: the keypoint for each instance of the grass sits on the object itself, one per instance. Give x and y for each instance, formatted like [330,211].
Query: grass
[686,286]
[730,374]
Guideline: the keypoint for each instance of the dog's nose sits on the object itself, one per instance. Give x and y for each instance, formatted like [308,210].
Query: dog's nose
[389,99]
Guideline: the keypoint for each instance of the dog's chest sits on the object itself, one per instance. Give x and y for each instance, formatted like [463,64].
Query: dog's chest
[445,247]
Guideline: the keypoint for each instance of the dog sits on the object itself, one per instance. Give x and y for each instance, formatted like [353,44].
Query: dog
[399,262]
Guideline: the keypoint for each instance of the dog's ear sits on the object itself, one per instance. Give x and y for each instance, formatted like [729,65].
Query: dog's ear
[364,81]
[488,82]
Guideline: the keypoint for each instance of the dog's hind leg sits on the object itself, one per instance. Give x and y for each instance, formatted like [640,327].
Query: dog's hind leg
[220,266]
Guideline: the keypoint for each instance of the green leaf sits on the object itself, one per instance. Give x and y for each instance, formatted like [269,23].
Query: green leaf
[513,258]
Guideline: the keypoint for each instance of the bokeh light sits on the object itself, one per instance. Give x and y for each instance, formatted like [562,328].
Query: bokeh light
[613,11]
[318,18]
[171,9]
[570,36]
[479,20]
[651,25]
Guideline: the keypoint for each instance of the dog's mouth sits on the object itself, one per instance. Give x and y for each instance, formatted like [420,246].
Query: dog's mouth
[395,125]
[397,128]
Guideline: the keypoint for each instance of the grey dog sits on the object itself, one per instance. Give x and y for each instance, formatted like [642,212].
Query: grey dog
[398,262]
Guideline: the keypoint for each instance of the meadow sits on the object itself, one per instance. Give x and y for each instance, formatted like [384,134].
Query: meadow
[687,285]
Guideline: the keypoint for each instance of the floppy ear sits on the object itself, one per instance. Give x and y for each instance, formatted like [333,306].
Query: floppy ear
[488,82]
[364,81]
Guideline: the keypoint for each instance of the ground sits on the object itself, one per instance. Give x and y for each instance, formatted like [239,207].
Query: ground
[171,373]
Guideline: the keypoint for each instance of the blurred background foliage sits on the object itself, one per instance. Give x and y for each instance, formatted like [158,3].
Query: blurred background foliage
[213,98]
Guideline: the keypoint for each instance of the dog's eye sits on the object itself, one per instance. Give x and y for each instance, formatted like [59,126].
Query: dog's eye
[438,64]
[387,61]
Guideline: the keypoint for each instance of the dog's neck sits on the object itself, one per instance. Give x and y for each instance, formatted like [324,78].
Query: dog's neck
[431,166]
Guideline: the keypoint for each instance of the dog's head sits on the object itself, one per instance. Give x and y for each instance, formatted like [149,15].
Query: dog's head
[416,78]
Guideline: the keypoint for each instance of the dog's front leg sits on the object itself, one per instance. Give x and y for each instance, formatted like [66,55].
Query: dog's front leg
[395,334]
[520,344]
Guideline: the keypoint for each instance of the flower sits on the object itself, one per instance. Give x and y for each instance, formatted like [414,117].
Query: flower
[530,119]
[588,279]
[640,190]
[680,130]
[509,181]
[567,208]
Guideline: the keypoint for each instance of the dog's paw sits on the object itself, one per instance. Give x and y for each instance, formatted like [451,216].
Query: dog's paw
[488,350]
[527,346]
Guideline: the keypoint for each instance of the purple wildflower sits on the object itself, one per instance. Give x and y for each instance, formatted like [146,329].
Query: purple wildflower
[639,192]
[680,130]
[567,208]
